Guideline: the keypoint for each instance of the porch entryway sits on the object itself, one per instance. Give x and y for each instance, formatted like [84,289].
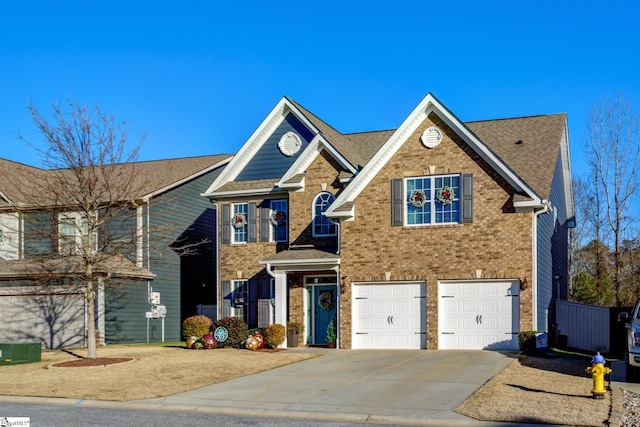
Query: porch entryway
[321,301]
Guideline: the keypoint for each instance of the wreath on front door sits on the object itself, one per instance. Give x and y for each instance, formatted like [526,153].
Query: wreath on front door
[445,195]
[278,218]
[326,301]
[239,220]
[418,198]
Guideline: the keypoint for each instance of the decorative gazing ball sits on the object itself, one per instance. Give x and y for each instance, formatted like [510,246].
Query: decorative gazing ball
[209,341]
[251,343]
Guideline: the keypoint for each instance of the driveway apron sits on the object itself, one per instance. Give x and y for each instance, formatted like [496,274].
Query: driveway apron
[357,385]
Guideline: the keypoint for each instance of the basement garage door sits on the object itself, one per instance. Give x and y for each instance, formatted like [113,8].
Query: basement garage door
[57,321]
[482,315]
[389,316]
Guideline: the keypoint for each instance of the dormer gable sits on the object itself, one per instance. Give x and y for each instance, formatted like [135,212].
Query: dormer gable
[344,205]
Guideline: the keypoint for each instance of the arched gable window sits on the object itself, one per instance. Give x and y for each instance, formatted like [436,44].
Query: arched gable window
[322,226]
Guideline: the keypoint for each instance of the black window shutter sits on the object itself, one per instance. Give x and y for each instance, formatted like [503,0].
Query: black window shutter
[226,223]
[397,202]
[467,198]
[252,315]
[264,222]
[252,222]
[226,298]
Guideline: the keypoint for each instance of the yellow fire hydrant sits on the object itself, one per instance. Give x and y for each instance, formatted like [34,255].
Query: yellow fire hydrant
[598,371]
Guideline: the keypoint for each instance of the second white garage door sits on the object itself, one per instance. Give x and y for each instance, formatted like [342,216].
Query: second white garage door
[389,316]
[482,315]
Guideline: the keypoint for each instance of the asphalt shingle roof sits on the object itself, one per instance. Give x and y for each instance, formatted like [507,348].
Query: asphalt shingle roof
[533,159]
[21,183]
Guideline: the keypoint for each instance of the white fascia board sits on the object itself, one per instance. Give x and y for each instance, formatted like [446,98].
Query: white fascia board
[407,128]
[6,199]
[239,193]
[251,146]
[257,139]
[302,264]
[311,152]
[566,171]
[146,197]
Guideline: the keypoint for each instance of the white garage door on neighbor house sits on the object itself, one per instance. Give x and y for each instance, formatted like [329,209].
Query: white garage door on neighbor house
[389,316]
[482,315]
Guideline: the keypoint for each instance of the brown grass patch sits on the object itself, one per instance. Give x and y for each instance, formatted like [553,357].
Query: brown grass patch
[540,390]
[156,372]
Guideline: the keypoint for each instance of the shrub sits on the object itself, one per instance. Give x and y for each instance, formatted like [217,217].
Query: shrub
[196,326]
[274,335]
[331,331]
[527,341]
[237,329]
[295,326]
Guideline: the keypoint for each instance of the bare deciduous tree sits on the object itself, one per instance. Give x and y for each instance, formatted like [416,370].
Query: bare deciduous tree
[86,193]
[613,156]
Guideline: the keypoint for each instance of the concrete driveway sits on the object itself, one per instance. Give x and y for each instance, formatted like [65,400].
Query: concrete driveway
[391,386]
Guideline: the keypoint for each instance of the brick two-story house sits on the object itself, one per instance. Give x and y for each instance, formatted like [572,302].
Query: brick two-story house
[439,234]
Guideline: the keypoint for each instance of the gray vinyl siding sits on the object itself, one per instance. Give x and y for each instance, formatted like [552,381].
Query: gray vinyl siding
[175,218]
[552,252]
[269,162]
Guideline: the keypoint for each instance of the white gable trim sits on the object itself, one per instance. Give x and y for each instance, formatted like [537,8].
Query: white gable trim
[256,141]
[566,171]
[313,150]
[428,105]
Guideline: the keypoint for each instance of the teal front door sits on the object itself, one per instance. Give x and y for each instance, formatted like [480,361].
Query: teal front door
[323,310]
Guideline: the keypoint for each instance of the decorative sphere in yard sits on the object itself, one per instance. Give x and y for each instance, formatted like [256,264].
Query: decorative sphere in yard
[209,341]
[251,343]
[260,338]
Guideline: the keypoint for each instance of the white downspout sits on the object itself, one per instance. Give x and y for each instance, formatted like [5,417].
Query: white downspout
[534,285]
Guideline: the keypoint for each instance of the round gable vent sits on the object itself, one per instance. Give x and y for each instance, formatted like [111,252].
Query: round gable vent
[289,144]
[431,137]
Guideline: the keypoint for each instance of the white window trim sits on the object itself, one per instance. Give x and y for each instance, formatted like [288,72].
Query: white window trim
[272,227]
[78,237]
[313,215]
[246,227]
[432,200]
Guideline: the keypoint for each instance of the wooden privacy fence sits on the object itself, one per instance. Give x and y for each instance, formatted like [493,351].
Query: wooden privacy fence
[587,327]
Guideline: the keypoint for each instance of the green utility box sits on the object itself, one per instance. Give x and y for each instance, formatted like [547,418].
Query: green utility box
[12,353]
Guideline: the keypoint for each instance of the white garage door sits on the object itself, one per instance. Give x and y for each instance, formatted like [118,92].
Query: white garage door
[479,315]
[55,320]
[389,316]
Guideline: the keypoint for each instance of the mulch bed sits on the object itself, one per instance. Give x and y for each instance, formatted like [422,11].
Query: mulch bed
[98,361]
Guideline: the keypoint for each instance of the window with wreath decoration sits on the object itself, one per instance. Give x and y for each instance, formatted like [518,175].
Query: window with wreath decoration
[326,301]
[239,222]
[278,220]
[432,200]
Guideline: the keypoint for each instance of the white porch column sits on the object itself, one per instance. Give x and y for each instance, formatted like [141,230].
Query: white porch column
[281,301]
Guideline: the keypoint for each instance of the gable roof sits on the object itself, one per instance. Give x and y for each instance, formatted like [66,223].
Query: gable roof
[529,145]
[20,183]
[427,106]
[522,150]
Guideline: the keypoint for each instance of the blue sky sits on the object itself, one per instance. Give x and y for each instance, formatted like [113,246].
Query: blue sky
[197,78]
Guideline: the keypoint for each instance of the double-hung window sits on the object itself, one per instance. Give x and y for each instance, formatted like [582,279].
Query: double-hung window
[322,225]
[77,232]
[432,200]
[239,223]
[278,219]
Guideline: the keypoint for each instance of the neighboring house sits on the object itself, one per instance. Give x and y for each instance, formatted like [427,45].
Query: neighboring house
[173,252]
[439,234]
